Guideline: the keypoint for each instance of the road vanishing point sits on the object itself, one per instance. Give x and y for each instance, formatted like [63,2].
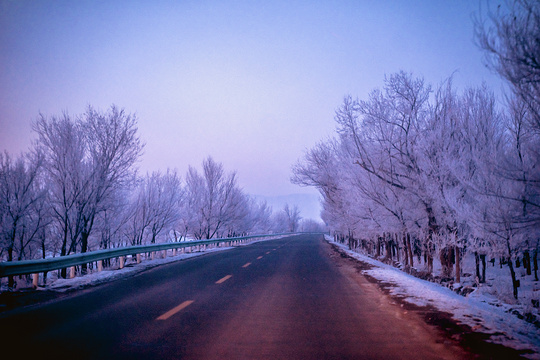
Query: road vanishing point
[291,298]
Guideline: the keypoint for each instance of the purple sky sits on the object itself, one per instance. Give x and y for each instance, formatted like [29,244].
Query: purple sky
[252,84]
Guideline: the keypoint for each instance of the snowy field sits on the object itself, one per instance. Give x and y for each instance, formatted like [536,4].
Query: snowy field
[111,273]
[480,310]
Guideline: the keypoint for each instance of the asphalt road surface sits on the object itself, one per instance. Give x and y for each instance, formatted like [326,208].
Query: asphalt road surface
[281,299]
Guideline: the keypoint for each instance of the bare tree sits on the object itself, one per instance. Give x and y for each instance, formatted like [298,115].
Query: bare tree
[139,215]
[164,196]
[292,216]
[510,40]
[21,205]
[259,220]
[86,160]
[113,147]
[215,201]
[61,141]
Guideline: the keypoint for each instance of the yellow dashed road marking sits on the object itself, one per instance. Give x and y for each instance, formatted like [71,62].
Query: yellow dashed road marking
[173,311]
[259,258]
[223,279]
[246,265]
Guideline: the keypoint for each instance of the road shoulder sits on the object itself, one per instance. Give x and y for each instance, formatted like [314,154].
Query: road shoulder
[447,330]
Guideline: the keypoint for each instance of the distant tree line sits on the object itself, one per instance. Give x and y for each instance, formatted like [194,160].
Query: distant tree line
[77,189]
[431,171]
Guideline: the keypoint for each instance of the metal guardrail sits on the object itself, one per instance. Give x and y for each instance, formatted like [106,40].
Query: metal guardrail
[14,268]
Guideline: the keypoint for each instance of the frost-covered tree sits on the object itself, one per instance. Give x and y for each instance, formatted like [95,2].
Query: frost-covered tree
[509,38]
[380,135]
[310,225]
[61,141]
[22,206]
[113,148]
[288,219]
[438,174]
[86,160]
[322,169]
[112,223]
[155,208]
[19,198]
[293,217]
[215,203]
[260,219]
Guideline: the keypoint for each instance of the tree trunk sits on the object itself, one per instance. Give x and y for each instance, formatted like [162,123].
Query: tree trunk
[411,258]
[430,264]
[527,261]
[445,257]
[84,248]
[535,261]
[458,265]
[405,251]
[477,263]
[396,244]
[63,272]
[515,283]
[483,259]
[388,245]
[11,279]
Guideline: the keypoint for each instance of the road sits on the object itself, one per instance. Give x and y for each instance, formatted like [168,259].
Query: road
[282,299]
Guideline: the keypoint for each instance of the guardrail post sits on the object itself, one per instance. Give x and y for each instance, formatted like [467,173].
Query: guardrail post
[100,265]
[153,255]
[72,272]
[35,278]
[122,259]
[164,254]
[174,252]
[138,258]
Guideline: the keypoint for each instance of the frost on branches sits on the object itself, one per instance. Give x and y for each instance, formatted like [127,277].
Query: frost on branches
[433,173]
[417,171]
[77,190]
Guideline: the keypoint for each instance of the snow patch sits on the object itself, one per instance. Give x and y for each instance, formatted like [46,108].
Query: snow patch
[475,310]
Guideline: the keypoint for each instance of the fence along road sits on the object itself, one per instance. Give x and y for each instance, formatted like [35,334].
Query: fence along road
[35,267]
[290,298]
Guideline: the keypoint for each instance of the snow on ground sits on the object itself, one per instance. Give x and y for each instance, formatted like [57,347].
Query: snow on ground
[475,310]
[113,273]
